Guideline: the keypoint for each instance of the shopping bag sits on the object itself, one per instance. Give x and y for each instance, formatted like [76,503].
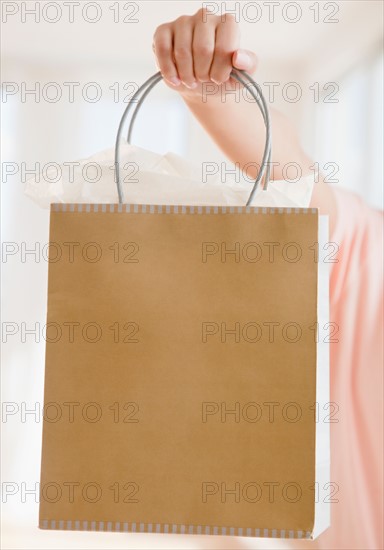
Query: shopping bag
[183,370]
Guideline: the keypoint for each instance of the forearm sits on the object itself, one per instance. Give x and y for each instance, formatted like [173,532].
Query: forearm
[237,127]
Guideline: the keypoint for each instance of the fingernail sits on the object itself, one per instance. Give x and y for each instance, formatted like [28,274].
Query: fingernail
[242,58]
[174,81]
[192,86]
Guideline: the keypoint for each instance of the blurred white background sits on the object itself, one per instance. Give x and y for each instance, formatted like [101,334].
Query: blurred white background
[333,54]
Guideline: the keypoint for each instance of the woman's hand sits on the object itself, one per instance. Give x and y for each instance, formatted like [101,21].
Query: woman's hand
[200,48]
[193,50]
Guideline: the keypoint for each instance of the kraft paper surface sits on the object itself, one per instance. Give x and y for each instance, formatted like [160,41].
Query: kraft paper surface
[180,377]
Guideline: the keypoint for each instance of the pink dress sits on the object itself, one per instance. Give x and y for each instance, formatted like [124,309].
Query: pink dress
[356,378]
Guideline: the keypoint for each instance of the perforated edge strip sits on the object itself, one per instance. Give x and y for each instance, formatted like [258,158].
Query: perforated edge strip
[125,527]
[175,209]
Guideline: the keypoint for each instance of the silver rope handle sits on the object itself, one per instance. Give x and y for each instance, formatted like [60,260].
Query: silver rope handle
[139,96]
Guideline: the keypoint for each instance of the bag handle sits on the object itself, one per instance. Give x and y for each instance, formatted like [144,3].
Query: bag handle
[144,90]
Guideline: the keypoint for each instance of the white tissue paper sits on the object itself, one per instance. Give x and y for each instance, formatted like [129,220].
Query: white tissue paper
[150,178]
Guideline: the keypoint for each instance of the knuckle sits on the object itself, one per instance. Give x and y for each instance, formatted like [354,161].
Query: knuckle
[182,52]
[203,50]
[160,29]
[204,15]
[183,19]
[229,18]
[162,48]
[221,52]
[202,11]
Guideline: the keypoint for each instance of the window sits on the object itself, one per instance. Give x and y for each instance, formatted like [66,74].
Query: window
[350,132]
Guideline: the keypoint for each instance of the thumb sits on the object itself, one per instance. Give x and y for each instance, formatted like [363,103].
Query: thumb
[245,60]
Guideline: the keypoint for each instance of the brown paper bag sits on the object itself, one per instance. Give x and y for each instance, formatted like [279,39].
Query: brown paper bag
[181,370]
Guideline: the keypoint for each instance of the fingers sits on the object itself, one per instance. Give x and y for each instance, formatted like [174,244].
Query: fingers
[163,49]
[226,42]
[203,47]
[182,50]
[195,49]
